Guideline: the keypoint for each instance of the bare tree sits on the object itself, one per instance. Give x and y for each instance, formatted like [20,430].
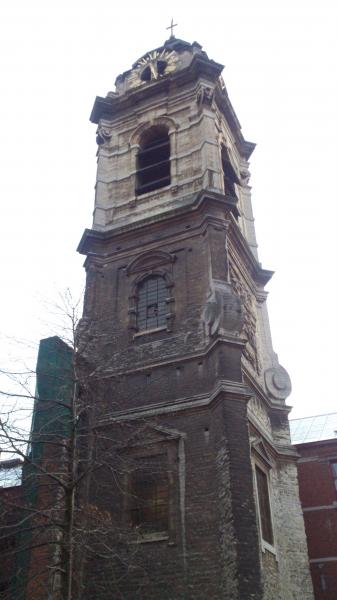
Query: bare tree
[63,517]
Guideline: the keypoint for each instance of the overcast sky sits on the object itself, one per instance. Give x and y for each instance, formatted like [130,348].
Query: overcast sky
[280,72]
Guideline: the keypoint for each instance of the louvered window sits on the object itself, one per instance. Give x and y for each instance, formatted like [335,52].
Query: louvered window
[153,161]
[151,304]
[229,175]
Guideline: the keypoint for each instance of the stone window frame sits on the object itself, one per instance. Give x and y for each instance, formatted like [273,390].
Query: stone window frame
[159,143]
[134,144]
[144,450]
[133,302]
[151,303]
[262,461]
[149,509]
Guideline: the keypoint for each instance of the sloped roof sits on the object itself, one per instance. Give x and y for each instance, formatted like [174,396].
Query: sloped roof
[313,429]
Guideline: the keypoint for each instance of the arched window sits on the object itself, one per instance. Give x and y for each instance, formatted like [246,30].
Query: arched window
[151,303]
[153,160]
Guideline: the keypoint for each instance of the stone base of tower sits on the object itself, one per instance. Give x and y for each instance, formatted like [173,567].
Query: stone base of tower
[209,547]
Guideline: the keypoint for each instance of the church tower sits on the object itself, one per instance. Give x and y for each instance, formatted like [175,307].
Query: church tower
[176,325]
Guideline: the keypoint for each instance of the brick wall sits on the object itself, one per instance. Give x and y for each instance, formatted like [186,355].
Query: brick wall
[318,495]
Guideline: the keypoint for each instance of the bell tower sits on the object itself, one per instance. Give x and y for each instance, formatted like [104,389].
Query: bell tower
[176,324]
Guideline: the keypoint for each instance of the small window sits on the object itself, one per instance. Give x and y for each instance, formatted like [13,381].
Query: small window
[323,582]
[161,66]
[153,71]
[153,160]
[149,497]
[334,473]
[264,505]
[146,74]
[151,303]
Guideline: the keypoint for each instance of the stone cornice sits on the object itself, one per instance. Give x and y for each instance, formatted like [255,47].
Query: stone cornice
[202,353]
[106,255]
[184,205]
[225,388]
[187,204]
[111,106]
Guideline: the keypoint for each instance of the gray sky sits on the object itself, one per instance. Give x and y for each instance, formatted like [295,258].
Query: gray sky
[280,72]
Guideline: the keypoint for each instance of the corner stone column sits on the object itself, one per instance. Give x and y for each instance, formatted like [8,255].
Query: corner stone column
[239,530]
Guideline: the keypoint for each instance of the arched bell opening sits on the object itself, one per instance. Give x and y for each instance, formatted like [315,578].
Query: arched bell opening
[153,160]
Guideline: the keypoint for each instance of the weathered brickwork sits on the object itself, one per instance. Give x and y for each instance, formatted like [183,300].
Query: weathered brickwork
[203,385]
[291,545]
[318,493]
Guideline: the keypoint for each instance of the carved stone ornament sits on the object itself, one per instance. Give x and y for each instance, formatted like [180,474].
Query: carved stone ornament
[259,447]
[245,176]
[205,95]
[256,408]
[103,135]
[277,382]
[153,66]
[249,318]
[223,310]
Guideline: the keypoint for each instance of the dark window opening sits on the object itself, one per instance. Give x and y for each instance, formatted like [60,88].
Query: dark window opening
[323,583]
[151,304]
[153,161]
[161,66]
[229,175]
[149,508]
[146,74]
[157,70]
[334,472]
[264,505]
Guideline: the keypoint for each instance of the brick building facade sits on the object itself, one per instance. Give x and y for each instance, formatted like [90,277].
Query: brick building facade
[176,325]
[316,441]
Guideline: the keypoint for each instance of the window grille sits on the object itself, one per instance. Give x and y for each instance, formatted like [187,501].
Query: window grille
[149,498]
[151,305]
[150,503]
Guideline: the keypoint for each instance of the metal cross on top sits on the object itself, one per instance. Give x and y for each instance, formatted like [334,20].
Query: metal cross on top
[171,27]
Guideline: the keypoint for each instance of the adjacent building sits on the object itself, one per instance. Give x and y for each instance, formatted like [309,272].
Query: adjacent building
[315,439]
[10,515]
